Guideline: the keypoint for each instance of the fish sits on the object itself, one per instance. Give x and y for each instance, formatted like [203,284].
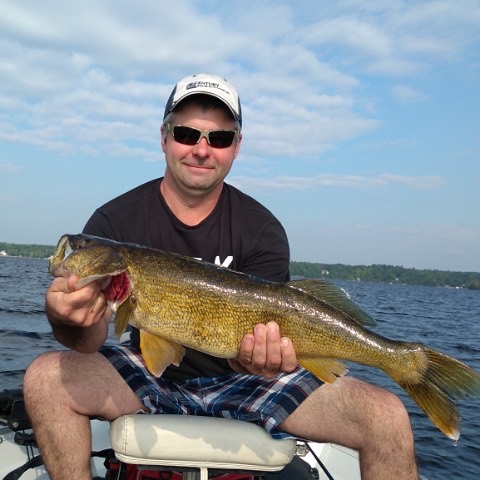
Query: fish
[177,301]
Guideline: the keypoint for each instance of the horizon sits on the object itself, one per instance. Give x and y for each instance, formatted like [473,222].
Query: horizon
[291,260]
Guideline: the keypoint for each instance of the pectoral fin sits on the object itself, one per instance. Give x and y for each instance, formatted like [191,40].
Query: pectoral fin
[122,316]
[159,352]
[326,369]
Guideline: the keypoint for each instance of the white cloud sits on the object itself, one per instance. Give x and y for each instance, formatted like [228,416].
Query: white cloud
[7,167]
[406,94]
[396,37]
[118,64]
[338,181]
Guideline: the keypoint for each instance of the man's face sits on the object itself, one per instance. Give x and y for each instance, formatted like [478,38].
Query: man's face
[199,168]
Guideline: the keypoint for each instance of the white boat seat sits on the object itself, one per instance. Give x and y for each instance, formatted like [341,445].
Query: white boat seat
[199,442]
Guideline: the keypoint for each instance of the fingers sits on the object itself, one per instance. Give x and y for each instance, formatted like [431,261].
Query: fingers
[65,304]
[289,356]
[267,355]
[265,352]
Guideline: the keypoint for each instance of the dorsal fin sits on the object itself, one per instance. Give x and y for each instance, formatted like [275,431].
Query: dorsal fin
[334,296]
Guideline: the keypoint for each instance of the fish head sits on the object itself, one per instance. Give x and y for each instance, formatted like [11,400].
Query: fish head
[93,259]
[65,247]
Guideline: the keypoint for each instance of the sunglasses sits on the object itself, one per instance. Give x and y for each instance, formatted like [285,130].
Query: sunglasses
[191,136]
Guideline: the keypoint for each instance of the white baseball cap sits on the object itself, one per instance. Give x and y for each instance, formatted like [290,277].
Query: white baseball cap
[206,84]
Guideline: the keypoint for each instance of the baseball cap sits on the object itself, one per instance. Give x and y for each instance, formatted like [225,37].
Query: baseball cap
[206,84]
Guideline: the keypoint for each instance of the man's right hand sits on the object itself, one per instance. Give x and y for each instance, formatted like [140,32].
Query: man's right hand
[79,316]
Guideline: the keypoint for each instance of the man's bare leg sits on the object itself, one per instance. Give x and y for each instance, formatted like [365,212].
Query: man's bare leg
[62,390]
[364,417]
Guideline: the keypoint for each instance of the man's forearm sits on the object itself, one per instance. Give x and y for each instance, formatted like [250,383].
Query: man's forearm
[80,339]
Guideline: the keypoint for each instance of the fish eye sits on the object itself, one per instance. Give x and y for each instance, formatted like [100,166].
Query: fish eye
[84,242]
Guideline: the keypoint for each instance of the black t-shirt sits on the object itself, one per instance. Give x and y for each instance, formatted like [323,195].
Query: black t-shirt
[239,234]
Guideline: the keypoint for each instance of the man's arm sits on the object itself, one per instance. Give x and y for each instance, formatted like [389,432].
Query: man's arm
[79,317]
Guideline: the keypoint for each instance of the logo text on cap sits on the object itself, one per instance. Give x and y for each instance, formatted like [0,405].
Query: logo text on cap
[202,84]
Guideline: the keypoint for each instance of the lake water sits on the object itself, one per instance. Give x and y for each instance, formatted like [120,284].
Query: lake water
[445,319]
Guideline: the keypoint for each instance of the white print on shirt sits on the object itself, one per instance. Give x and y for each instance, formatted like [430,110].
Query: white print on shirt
[226,263]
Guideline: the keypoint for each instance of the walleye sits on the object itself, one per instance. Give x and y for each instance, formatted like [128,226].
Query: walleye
[178,301]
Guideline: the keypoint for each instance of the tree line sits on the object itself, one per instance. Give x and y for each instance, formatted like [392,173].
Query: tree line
[366,273]
[31,250]
[386,274]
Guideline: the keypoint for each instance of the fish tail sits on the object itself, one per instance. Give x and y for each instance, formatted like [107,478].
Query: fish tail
[434,387]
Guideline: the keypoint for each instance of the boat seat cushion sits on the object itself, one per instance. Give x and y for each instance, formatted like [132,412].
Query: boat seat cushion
[201,442]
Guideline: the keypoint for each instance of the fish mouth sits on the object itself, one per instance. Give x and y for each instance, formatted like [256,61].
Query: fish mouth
[62,251]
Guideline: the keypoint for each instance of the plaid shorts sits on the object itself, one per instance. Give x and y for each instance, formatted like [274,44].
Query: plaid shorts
[251,398]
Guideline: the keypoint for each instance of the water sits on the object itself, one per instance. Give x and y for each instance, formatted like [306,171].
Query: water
[445,319]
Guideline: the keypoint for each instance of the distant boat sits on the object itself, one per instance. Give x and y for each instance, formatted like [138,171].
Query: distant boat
[3,253]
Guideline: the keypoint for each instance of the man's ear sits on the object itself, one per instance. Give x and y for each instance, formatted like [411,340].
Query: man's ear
[237,146]
[163,137]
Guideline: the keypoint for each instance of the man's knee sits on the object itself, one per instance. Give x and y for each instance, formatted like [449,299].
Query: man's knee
[379,404]
[392,404]
[41,373]
[392,420]
[41,365]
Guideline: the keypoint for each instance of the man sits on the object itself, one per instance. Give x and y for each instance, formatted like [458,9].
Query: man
[193,212]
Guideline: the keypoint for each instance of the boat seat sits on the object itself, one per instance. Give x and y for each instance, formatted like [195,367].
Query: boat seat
[200,442]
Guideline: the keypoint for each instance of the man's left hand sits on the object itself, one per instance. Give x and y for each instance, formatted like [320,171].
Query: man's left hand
[265,352]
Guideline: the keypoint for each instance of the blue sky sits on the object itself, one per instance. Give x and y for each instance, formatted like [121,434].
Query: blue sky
[361,118]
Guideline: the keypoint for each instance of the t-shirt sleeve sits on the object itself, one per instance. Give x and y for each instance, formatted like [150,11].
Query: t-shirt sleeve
[99,225]
[125,218]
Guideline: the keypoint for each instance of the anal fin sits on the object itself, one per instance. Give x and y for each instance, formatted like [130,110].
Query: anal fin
[326,369]
[159,353]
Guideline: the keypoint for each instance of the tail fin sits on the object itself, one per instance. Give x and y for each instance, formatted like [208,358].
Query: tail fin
[445,379]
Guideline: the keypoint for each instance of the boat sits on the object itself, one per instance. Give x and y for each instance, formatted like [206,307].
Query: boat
[176,447]
[189,447]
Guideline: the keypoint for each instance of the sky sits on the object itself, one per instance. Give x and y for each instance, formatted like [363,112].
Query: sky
[361,117]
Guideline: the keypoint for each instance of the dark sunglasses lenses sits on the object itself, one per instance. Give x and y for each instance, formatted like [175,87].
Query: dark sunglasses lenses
[191,136]
[221,138]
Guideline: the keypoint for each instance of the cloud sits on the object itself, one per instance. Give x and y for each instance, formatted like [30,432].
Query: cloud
[386,144]
[406,94]
[7,167]
[102,80]
[395,38]
[338,181]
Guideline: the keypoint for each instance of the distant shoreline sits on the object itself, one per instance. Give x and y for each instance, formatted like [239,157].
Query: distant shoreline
[365,273]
